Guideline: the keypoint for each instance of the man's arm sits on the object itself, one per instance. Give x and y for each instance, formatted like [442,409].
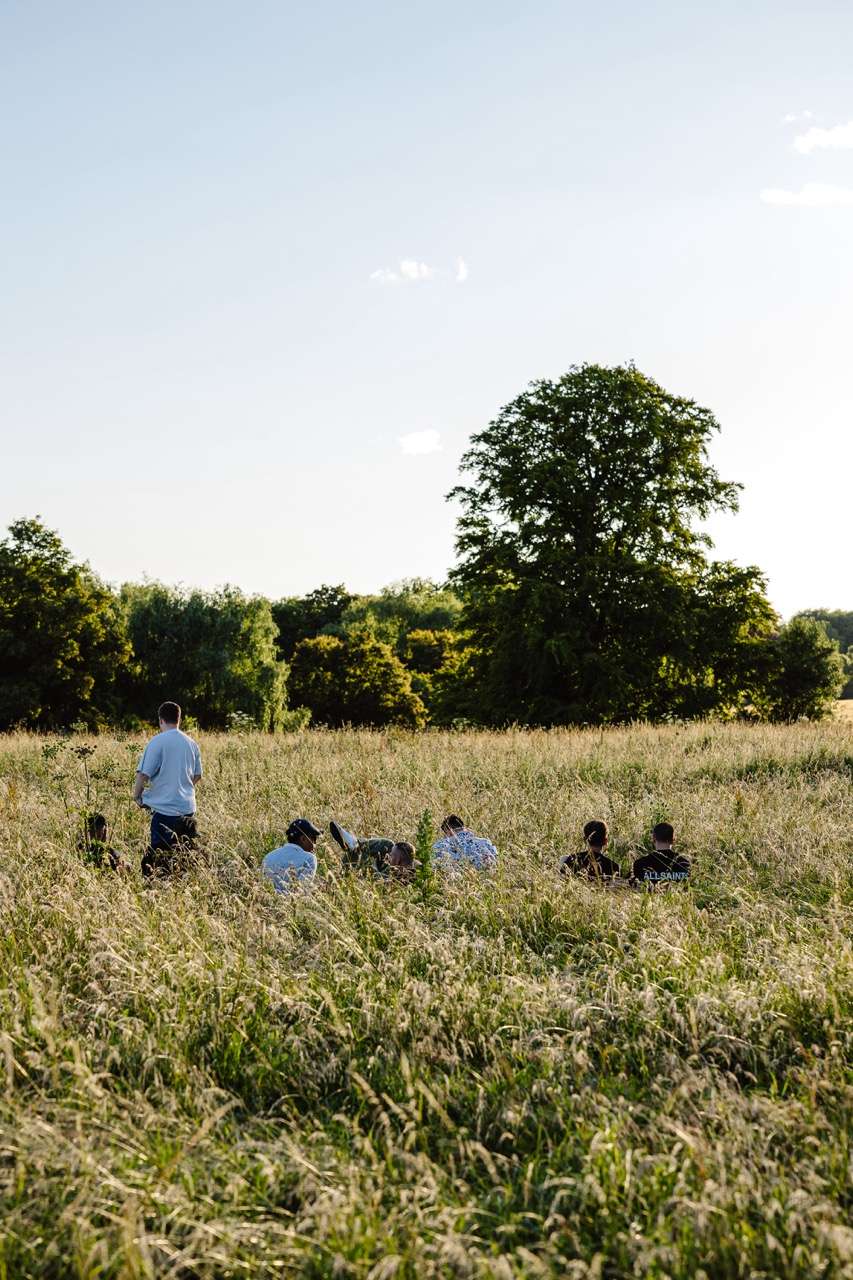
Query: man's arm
[140,782]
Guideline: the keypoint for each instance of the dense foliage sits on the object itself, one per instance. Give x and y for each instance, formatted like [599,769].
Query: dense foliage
[500,1078]
[838,624]
[354,680]
[589,597]
[63,641]
[583,594]
[217,648]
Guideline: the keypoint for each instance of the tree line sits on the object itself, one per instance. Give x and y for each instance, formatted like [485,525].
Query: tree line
[583,593]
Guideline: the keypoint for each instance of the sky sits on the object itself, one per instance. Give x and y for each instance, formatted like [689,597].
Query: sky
[267,266]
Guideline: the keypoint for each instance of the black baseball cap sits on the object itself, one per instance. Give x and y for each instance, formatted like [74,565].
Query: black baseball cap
[302,827]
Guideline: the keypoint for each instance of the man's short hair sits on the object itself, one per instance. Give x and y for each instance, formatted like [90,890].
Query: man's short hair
[169,713]
[407,851]
[453,823]
[664,832]
[595,832]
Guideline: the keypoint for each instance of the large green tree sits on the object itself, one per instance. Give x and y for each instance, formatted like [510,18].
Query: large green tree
[62,637]
[589,596]
[805,672]
[214,652]
[354,679]
[839,626]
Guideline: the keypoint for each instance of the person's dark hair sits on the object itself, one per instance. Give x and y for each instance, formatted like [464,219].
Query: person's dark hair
[169,713]
[664,832]
[452,823]
[408,852]
[595,832]
[302,827]
[97,823]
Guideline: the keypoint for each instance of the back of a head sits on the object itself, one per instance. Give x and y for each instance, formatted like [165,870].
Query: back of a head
[595,833]
[96,827]
[169,713]
[452,823]
[402,854]
[663,832]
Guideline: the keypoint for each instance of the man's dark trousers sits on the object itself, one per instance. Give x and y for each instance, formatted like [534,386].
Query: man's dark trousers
[169,835]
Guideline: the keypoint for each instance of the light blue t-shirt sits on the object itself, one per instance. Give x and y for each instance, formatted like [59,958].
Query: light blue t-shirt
[171,760]
[287,865]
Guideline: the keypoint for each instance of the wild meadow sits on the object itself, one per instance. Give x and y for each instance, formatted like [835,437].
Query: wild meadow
[499,1076]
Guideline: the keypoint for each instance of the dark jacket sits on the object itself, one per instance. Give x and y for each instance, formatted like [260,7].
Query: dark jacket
[663,866]
[587,862]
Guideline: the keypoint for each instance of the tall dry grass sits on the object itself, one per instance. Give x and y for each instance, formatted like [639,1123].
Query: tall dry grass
[508,1076]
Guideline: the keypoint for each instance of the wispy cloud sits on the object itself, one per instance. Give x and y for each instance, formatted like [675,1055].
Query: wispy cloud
[814,195]
[412,271]
[420,442]
[795,117]
[408,270]
[838,138]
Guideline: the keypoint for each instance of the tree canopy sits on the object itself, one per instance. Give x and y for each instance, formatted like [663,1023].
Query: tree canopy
[354,679]
[62,638]
[589,596]
[213,651]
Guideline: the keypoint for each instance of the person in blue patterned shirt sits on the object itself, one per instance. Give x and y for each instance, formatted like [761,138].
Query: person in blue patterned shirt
[459,847]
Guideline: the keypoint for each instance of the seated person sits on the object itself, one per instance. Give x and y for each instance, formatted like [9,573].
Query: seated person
[294,862]
[664,866]
[94,844]
[459,846]
[592,861]
[402,862]
[362,855]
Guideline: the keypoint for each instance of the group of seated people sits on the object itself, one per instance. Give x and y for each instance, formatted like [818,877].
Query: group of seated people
[662,866]
[295,861]
[381,856]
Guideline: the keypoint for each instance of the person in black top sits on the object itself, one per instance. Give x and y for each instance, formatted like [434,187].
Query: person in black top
[94,844]
[592,861]
[664,866]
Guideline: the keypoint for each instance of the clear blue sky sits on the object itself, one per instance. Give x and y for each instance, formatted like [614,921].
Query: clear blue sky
[210,351]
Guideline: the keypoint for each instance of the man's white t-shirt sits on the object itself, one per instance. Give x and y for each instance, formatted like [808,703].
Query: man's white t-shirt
[171,760]
[287,865]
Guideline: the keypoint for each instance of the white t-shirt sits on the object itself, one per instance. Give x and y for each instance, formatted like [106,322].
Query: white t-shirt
[287,865]
[171,760]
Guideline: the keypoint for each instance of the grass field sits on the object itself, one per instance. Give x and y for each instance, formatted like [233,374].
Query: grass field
[508,1076]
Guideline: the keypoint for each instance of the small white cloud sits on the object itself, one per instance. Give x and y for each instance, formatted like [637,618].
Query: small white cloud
[814,195]
[420,442]
[461,270]
[408,270]
[794,117]
[838,138]
[384,276]
[412,270]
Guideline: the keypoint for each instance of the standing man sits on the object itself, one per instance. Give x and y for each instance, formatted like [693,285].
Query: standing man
[166,777]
